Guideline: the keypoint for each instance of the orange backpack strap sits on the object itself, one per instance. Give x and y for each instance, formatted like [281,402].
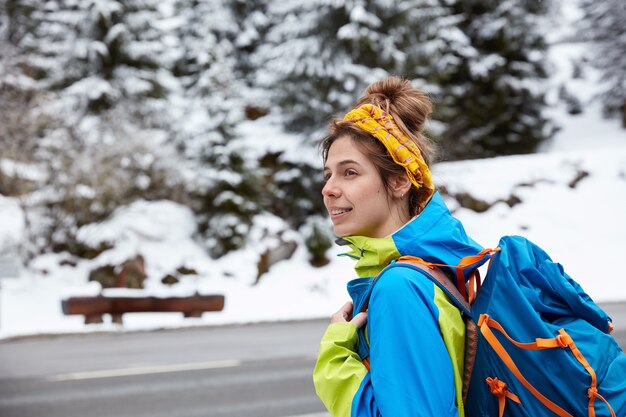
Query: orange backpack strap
[499,389]
[562,340]
[471,330]
[468,293]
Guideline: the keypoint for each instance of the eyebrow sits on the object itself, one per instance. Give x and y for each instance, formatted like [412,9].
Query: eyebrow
[344,162]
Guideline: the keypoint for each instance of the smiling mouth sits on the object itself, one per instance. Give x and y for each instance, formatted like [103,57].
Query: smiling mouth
[339,212]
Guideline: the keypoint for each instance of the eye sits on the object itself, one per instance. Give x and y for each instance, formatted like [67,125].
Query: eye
[326,177]
[351,173]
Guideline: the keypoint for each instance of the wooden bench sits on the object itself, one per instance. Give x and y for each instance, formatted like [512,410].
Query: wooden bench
[94,307]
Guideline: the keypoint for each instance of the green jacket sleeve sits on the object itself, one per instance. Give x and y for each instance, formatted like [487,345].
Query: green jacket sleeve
[339,371]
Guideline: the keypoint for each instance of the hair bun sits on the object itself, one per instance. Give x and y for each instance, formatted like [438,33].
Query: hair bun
[409,106]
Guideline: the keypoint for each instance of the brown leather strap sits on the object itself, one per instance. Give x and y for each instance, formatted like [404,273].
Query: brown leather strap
[471,348]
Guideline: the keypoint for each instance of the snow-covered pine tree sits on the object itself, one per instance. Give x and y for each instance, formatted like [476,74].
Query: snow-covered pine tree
[251,26]
[317,59]
[19,99]
[491,102]
[484,63]
[222,180]
[312,67]
[320,55]
[104,81]
[604,25]
[100,56]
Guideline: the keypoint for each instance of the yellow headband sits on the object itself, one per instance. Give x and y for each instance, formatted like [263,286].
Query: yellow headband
[403,150]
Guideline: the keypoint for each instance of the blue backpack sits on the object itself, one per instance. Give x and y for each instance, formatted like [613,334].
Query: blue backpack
[536,344]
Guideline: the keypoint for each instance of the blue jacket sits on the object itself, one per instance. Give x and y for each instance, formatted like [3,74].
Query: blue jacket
[414,336]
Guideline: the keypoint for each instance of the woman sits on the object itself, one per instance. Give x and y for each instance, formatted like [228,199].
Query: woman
[404,356]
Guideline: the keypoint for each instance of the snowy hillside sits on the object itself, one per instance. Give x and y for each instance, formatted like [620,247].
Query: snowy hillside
[571,203]
[569,198]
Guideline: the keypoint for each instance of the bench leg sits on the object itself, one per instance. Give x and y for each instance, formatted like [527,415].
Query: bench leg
[93,318]
[117,318]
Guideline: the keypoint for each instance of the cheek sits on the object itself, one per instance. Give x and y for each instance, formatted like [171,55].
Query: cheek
[366,194]
[377,194]
[373,199]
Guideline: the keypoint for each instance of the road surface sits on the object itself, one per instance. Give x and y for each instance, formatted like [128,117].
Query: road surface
[261,370]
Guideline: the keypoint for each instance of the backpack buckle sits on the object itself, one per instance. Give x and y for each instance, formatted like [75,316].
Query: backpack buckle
[563,339]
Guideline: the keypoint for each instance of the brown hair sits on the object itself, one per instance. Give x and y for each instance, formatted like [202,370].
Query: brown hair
[410,109]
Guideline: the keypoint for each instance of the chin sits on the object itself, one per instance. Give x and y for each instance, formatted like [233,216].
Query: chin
[345,231]
[341,231]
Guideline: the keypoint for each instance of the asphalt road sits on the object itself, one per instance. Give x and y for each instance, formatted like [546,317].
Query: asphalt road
[261,370]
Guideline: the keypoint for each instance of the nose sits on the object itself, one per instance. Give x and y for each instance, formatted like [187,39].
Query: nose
[331,189]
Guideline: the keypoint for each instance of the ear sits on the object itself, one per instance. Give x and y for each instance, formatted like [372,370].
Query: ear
[400,185]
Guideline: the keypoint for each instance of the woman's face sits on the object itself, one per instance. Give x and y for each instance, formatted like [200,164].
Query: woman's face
[355,196]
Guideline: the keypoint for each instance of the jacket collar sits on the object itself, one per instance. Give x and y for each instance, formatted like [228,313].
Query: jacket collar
[434,235]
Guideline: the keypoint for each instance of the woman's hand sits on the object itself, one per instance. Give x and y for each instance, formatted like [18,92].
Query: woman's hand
[345,315]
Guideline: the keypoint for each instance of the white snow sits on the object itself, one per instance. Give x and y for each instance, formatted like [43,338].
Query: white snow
[584,228]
